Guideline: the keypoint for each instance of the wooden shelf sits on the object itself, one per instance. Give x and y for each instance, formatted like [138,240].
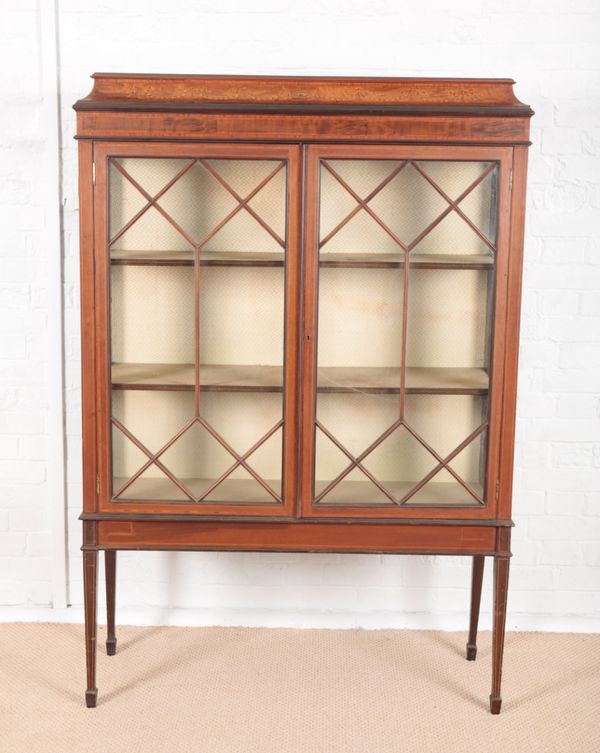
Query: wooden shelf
[186,259]
[345,261]
[423,380]
[396,261]
[181,377]
[364,493]
[249,491]
[251,378]
[246,491]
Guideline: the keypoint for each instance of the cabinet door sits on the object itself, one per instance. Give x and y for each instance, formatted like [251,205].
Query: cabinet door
[406,254]
[197,262]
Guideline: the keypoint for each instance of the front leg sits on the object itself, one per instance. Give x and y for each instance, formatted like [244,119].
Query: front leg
[501,567]
[90,561]
[110,569]
[476,582]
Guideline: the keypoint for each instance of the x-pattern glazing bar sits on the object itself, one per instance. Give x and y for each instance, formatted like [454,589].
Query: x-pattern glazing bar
[453,205]
[443,463]
[151,199]
[361,204]
[359,459]
[243,203]
[156,205]
[239,458]
[237,463]
[153,458]
[357,464]
[364,205]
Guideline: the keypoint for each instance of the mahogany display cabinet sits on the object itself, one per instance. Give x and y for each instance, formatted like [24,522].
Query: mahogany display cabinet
[300,313]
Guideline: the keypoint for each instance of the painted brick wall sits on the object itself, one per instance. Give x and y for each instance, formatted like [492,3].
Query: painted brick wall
[551,49]
[24,444]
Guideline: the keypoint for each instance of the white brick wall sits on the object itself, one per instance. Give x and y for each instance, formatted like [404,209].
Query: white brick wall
[24,558]
[551,49]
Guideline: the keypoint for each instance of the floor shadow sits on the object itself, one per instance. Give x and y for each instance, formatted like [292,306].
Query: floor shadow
[128,642]
[423,661]
[190,652]
[38,678]
[447,641]
[559,674]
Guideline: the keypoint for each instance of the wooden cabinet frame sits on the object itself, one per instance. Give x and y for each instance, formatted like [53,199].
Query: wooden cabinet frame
[503,157]
[300,121]
[292,156]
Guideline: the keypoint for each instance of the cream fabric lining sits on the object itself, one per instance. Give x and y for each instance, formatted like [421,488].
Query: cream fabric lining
[360,323]
[241,315]
[198,203]
[443,421]
[408,204]
[241,419]
[360,316]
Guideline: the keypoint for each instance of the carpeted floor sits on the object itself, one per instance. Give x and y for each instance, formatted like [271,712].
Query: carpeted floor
[247,690]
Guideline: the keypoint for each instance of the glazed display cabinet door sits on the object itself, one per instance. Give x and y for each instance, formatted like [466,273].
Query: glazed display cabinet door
[196,264]
[405,275]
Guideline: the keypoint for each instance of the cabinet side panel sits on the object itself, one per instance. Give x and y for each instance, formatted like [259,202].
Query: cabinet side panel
[88,361]
[513,315]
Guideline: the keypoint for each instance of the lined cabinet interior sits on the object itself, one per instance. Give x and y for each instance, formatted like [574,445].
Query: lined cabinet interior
[404,251]
[198,251]
[203,361]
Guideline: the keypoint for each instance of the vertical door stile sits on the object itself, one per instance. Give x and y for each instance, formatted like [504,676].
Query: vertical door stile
[500,329]
[404,331]
[309,329]
[293,323]
[197,333]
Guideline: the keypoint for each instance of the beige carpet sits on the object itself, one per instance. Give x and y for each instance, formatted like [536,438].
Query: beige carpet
[234,690]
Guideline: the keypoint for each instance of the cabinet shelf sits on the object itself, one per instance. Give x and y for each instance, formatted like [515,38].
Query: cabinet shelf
[437,493]
[419,380]
[186,259]
[181,377]
[252,378]
[396,261]
[229,490]
[327,261]
[345,493]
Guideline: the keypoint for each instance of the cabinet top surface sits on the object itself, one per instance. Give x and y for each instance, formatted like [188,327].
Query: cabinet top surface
[135,91]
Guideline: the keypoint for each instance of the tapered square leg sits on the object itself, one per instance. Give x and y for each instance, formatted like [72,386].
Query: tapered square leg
[110,569]
[501,568]
[476,581]
[90,561]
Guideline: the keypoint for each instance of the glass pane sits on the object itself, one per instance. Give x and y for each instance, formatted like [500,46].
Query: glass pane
[405,303]
[197,329]
[444,424]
